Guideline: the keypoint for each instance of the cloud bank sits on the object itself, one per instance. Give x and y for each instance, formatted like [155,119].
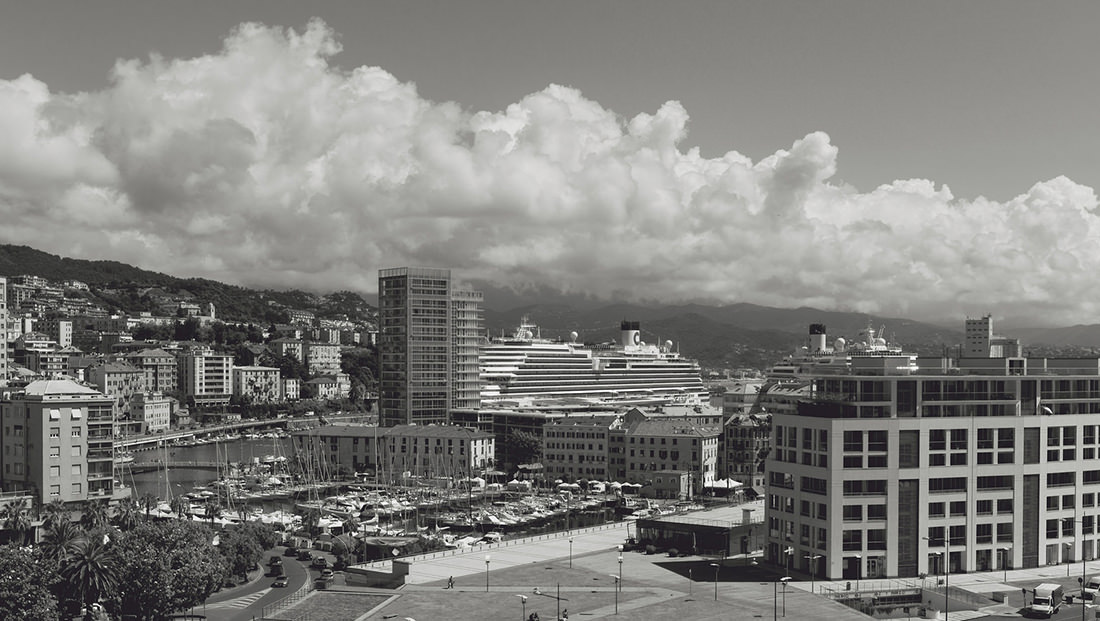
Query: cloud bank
[268,165]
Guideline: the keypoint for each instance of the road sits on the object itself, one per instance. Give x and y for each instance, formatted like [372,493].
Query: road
[246,602]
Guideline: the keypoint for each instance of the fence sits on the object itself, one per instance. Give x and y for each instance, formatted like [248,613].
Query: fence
[288,601]
[479,547]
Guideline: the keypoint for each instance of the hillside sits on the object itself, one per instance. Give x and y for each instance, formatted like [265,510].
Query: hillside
[121,287]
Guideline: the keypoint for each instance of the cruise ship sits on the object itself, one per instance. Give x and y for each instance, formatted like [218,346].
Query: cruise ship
[526,368]
[841,358]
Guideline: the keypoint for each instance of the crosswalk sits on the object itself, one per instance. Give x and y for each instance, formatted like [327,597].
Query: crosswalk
[241,602]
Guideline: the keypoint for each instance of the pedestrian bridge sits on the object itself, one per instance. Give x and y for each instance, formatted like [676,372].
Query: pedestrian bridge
[159,465]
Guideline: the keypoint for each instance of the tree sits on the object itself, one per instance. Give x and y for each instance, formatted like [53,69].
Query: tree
[180,506]
[25,585]
[167,566]
[55,511]
[240,550]
[126,514]
[59,540]
[214,510]
[311,521]
[148,503]
[91,571]
[523,447]
[93,515]
[17,520]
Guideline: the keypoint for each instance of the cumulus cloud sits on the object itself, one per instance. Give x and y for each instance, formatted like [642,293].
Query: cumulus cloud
[266,164]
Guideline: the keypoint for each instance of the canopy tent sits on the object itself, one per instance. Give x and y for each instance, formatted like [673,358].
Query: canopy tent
[723,484]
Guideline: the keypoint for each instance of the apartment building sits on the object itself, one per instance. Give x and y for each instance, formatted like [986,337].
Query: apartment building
[58,442]
[206,378]
[422,319]
[577,447]
[432,451]
[159,366]
[257,384]
[643,447]
[322,359]
[3,330]
[118,380]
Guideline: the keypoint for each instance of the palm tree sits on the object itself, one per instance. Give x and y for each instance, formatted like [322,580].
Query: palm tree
[126,516]
[16,519]
[214,510]
[55,512]
[148,502]
[91,570]
[311,521]
[180,506]
[351,525]
[59,540]
[93,515]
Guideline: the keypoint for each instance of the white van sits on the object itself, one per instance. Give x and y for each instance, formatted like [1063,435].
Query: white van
[1091,587]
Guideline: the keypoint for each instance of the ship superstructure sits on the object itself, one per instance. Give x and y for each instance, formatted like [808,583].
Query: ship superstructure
[869,349]
[525,366]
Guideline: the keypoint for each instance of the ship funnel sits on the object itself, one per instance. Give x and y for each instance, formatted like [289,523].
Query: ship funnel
[817,337]
[631,333]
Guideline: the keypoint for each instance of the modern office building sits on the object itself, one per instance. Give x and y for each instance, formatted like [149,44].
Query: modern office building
[58,442]
[952,464]
[422,321]
[3,330]
[467,323]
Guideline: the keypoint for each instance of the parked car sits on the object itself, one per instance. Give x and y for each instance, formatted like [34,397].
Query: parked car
[304,555]
[320,562]
[281,581]
[327,574]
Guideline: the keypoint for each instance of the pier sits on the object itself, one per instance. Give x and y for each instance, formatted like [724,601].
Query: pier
[158,465]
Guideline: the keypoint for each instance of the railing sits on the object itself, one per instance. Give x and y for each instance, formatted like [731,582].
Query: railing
[479,547]
[288,601]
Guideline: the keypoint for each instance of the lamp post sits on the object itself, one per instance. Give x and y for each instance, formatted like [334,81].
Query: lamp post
[617,581]
[1069,551]
[787,552]
[859,570]
[813,568]
[570,553]
[620,582]
[946,571]
[523,599]
[715,566]
[1004,562]
[785,580]
[486,573]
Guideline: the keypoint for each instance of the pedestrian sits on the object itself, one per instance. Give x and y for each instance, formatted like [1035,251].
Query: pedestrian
[450,582]
[537,591]
[565,614]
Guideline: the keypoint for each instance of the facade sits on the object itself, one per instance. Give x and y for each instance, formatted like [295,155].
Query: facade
[966,464]
[577,447]
[118,380]
[644,447]
[433,451]
[322,359]
[467,324]
[60,330]
[3,331]
[153,410]
[745,447]
[257,384]
[418,377]
[288,347]
[206,378]
[291,389]
[160,369]
[58,442]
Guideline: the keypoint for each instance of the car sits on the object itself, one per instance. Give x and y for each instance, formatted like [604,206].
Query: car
[320,562]
[291,551]
[281,581]
[304,555]
[327,574]
[275,560]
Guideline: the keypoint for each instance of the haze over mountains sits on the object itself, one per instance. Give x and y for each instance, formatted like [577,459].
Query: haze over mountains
[730,336]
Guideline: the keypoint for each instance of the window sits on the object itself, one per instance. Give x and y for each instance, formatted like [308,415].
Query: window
[55,472]
[76,489]
[55,414]
[876,441]
[985,507]
[77,414]
[55,452]
[853,513]
[55,490]
[75,432]
[74,451]
[55,432]
[853,441]
[958,507]
[936,509]
[75,470]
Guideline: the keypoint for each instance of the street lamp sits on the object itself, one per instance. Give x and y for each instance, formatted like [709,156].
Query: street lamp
[715,566]
[523,598]
[813,568]
[946,571]
[1004,562]
[787,553]
[617,581]
[486,573]
[859,570]
[620,582]
[570,553]
[785,580]
[1069,552]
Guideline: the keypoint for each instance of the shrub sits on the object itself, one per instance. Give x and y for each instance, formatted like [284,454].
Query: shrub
[650,549]
[674,552]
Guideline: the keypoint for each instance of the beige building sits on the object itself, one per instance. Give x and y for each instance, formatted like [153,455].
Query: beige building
[58,441]
[435,451]
[160,369]
[153,410]
[577,447]
[322,359]
[206,378]
[118,380]
[257,384]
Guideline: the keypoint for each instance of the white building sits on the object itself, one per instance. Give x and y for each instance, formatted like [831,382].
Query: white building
[258,384]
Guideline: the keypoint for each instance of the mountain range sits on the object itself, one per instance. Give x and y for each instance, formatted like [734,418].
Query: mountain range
[729,336]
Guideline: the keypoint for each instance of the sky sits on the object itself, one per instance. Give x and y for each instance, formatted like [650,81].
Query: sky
[928,160]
